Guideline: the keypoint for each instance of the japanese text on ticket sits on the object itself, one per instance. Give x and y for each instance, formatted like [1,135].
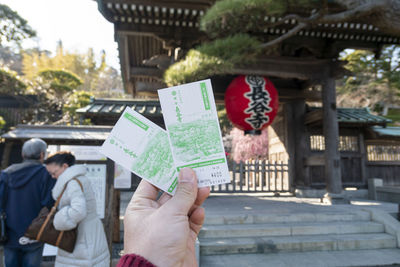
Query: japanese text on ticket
[142,147]
[193,129]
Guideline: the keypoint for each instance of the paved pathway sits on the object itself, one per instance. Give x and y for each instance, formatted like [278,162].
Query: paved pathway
[259,203]
[263,203]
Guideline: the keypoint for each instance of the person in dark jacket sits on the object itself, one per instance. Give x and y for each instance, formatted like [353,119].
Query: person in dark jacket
[25,188]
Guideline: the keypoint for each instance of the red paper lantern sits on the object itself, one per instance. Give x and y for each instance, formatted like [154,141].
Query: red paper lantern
[251,103]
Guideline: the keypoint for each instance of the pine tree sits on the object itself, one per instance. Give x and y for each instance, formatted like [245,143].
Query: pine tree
[13,28]
[237,27]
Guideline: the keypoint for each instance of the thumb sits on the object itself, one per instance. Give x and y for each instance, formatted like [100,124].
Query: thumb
[185,194]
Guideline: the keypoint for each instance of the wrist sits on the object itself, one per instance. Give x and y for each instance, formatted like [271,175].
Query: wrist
[134,260]
[140,248]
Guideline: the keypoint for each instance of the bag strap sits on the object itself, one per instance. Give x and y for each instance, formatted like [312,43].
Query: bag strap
[65,187]
[79,182]
[54,208]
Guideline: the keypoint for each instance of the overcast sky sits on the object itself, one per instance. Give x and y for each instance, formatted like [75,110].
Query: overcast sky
[78,23]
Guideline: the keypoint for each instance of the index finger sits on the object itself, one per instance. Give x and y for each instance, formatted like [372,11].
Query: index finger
[202,195]
[145,190]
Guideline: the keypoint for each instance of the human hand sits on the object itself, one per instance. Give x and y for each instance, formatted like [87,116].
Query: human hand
[164,231]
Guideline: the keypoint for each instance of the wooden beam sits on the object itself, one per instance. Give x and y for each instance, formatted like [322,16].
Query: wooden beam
[288,68]
[182,36]
[318,160]
[292,68]
[101,5]
[219,92]
[195,4]
[146,71]
[383,163]
[331,132]
[288,89]
[299,94]
[149,87]
[388,142]
[124,59]
[314,116]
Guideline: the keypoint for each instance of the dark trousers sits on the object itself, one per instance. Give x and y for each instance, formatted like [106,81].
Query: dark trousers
[30,256]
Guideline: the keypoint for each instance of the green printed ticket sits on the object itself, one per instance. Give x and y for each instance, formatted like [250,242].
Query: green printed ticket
[193,129]
[141,146]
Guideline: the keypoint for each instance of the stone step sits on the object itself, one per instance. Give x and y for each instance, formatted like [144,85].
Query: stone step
[279,218]
[380,257]
[285,218]
[290,229]
[272,244]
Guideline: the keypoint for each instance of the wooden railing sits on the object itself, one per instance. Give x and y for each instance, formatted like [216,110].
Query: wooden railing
[256,176]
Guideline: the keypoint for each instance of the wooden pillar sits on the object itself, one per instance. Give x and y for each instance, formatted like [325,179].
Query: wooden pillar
[116,229]
[108,217]
[362,150]
[290,145]
[301,143]
[331,133]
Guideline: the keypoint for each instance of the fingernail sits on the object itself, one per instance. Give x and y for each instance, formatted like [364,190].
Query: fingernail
[186,175]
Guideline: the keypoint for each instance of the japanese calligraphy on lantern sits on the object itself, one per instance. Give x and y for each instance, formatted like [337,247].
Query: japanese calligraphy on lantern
[259,102]
[251,102]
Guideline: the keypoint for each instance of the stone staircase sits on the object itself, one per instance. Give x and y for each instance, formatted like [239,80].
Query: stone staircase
[300,239]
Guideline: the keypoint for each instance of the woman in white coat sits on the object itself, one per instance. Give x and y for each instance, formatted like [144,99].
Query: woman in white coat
[77,208]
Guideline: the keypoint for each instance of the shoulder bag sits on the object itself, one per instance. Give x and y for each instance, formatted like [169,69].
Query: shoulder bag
[42,228]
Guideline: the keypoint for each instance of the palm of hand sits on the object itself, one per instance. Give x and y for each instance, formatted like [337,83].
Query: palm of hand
[164,231]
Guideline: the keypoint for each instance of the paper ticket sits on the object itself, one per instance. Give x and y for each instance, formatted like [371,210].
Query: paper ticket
[193,129]
[141,146]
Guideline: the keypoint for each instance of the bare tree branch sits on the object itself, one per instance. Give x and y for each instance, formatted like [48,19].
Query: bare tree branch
[360,11]
[293,31]
[319,17]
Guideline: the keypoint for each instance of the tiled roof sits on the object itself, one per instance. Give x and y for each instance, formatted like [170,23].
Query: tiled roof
[359,115]
[115,107]
[348,116]
[386,131]
[88,134]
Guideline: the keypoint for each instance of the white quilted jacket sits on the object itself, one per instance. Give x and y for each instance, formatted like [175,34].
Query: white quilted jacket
[79,208]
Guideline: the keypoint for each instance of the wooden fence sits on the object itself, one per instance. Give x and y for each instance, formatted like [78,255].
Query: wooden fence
[256,176]
[383,161]
[383,152]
